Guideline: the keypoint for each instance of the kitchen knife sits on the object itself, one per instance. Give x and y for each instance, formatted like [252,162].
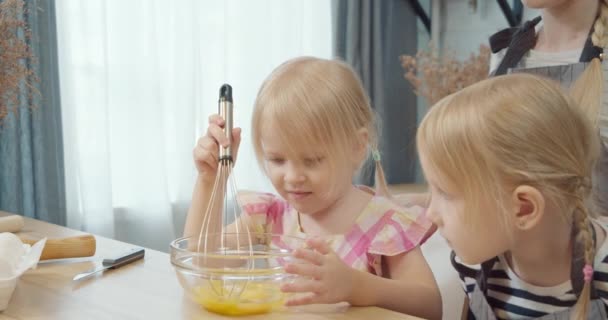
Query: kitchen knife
[114,262]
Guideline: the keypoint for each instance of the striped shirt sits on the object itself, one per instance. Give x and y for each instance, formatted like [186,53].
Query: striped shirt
[512,298]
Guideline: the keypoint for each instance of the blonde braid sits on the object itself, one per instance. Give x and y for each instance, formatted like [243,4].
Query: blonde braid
[592,79]
[599,36]
[584,235]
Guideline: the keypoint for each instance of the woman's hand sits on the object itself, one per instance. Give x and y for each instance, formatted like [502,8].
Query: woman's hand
[206,151]
[324,276]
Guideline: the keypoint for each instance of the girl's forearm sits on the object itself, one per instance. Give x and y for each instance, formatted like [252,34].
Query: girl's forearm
[413,297]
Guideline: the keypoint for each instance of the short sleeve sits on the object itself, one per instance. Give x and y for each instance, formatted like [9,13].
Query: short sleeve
[405,228]
[262,212]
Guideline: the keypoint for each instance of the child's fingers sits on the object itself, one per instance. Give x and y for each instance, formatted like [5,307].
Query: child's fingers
[217,119]
[205,158]
[319,245]
[303,286]
[309,255]
[218,134]
[208,157]
[207,144]
[236,136]
[302,300]
[304,269]
[236,141]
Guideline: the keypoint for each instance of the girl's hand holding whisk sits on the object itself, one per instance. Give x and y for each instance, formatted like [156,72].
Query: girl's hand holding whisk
[206,151]
[324,275]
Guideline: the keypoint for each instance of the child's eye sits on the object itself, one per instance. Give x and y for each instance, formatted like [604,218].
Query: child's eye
[443,194]
[275,160]
[311,162]
[438,191]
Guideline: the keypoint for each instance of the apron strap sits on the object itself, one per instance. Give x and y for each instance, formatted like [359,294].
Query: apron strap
[501,39]
[461,269]
[590,51]
[481,276]
[522,41]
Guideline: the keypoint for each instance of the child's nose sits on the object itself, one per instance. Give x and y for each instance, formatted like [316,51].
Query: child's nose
[294,175]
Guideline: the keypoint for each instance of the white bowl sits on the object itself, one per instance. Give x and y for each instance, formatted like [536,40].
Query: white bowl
[15,259]
[7,287]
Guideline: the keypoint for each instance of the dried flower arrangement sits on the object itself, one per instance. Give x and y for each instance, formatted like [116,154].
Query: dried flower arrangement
[434,77]
[14,56]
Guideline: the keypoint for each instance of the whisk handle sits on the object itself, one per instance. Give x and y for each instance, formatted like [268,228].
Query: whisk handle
[225,111]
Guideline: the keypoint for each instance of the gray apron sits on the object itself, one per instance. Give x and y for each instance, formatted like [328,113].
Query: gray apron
[519,41]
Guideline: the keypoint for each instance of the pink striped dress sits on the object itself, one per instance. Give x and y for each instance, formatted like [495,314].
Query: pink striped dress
[382,228]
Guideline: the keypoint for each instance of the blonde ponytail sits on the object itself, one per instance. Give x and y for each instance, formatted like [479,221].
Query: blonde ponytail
[587,91]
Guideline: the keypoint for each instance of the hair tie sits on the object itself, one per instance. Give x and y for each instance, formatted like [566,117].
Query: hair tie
[376,155]
[583,184]
[588,273]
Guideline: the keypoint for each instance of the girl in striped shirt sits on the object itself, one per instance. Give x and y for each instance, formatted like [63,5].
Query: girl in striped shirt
[313,127]
[509,163]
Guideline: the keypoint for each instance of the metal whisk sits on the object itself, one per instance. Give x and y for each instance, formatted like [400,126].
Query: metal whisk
[224,238]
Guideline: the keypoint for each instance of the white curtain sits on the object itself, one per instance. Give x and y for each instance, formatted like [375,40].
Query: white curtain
[138,81]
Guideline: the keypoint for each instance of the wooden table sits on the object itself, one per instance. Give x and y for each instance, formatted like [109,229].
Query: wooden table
[408,188]
[145,289]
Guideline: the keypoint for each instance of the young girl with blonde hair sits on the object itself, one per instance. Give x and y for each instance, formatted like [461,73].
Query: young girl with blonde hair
[312,129]
[568,38]
[509,163]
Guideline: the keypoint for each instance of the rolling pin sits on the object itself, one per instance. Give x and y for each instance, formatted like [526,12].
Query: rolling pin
[11,223]
[70,247]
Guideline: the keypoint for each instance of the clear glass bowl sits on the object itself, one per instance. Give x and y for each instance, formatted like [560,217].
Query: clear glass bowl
[228,274]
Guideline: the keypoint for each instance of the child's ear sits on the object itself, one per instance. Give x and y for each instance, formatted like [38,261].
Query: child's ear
[528,207]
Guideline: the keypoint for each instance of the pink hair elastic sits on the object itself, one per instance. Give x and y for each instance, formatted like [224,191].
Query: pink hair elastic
[588,273]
